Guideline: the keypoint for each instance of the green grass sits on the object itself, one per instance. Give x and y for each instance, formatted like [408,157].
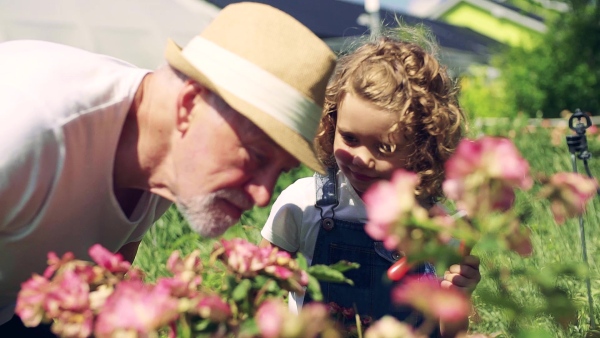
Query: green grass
[553,244]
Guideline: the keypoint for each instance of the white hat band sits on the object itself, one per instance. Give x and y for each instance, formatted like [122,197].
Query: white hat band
[254,85]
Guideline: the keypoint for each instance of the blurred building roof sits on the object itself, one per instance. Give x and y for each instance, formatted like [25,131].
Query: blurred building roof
[133,30]
[497,8]
[337,22]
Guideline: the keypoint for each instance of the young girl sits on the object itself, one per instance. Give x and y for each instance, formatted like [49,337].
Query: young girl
[389,105]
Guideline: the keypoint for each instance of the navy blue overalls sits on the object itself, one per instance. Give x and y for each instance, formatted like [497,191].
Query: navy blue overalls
[343,240]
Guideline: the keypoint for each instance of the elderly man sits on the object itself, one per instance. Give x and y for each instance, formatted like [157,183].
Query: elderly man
[94,150]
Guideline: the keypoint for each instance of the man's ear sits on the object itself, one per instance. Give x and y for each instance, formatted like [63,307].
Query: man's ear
[190,95]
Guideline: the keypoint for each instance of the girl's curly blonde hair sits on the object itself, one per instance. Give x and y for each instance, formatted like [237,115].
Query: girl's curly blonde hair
[403,78]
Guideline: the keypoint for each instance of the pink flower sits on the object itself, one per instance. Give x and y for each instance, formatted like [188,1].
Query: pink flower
[445,222]
[519,240]
[333,308]
[180,288]
[269,318]
[174,262]
[74,324]
[55,263]
[496,157]
[568,194]
[390,203]
[282,258]
[427,295]
[248,260]
[90,274]
[106,259]
[187,274]
[135,307]
[274,320]
[70,294]
[314,321]
[557,135]
[245,257]
[99,296]
[303,278]
[279,271]
[31,298]
[482,174]
[177,287]
[213,308]
[390,327]
[348,312]
[191,262]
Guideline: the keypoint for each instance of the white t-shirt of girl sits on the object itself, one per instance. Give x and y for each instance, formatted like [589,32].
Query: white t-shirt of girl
[294,221]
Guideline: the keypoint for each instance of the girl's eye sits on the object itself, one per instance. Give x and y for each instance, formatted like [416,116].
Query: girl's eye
[348,138]
[387,149]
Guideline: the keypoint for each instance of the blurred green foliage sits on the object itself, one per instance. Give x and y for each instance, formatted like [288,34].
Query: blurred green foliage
[560,73]
[555,247]
[483,96]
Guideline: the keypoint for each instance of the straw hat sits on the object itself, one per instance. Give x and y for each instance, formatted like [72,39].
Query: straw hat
[267,66]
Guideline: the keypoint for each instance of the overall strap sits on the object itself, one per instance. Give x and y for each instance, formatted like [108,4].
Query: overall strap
[326,188]
[327,195]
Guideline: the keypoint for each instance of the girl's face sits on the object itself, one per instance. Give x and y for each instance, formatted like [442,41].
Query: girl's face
[363,146]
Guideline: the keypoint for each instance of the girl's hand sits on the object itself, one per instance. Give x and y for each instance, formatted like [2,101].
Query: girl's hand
[464,276]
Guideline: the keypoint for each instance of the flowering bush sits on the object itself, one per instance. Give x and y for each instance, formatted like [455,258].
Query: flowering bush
[481,179]
[110,298]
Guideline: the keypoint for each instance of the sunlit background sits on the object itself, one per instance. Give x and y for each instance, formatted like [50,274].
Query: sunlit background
[522,66]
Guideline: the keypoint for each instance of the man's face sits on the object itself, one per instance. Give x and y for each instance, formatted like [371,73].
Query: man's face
[224,165]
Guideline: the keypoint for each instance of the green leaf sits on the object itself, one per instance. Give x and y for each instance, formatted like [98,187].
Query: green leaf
[343,266]
[230,282]
[488,244]
[241,290]
[327,274]
[259,281]
[203,325]
[302,263]
[592,334]
[535,333]
[314,289]
[248,328]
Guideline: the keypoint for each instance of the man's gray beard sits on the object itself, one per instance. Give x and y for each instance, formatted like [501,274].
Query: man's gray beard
[203,216]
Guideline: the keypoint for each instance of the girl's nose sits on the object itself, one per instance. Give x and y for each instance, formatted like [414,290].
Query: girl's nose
[362,158]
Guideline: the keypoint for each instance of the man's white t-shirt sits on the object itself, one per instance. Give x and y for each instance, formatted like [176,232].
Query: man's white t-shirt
[61,114]
[294,221]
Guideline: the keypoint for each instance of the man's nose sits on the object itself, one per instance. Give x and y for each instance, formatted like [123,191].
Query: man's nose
[260,192]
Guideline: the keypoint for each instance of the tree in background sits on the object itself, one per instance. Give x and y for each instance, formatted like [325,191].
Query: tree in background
[560,73]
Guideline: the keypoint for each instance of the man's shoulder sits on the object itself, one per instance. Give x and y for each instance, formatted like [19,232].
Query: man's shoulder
[25,51]
[55,72]
[22,120]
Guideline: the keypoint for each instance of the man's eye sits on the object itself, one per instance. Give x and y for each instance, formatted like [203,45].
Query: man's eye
[260,158]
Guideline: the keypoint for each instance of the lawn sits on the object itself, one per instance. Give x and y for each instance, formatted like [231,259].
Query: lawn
[547,152]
